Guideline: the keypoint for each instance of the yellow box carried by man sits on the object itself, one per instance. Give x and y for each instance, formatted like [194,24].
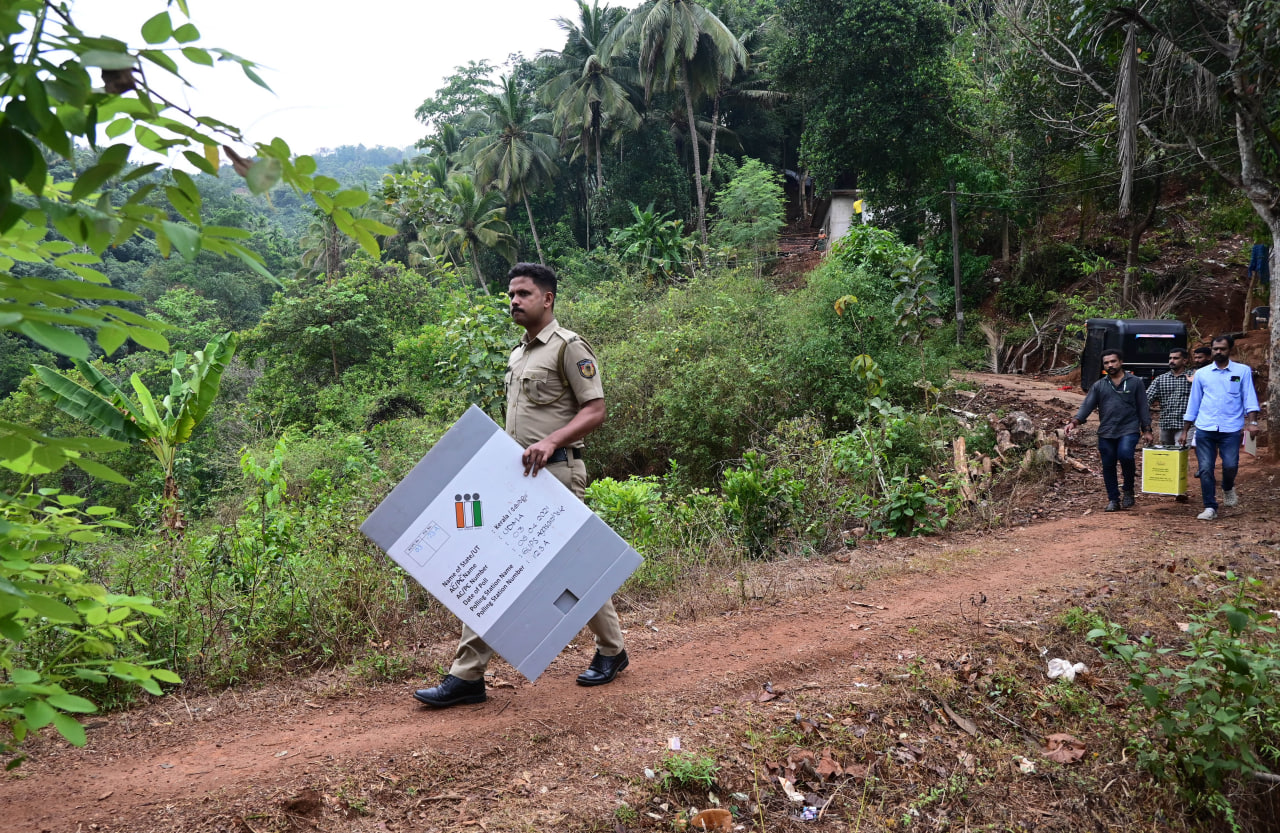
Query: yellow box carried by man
[1164,471]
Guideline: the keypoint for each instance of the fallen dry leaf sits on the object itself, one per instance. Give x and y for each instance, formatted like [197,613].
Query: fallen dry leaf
[963,722]
[1064,748]
[829,767]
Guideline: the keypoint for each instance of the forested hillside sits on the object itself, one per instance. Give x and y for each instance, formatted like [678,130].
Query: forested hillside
[213,368]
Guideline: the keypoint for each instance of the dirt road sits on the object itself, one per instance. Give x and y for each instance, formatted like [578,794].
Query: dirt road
[327,752]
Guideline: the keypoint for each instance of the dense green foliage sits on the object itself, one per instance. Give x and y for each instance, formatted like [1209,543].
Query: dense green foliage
[753,411]
[873,75]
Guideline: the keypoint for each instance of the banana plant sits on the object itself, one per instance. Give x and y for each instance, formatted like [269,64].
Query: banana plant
[161,427]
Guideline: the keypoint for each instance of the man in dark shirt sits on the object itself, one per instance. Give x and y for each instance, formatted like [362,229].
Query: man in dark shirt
[1121,401]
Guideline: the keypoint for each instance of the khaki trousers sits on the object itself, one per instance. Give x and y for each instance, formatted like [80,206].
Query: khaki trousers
[473,654]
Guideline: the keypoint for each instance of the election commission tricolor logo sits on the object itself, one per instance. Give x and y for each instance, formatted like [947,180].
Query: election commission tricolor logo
[467,508]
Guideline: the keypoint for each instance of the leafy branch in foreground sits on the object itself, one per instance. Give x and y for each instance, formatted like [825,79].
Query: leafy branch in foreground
[56,628]
[64,88]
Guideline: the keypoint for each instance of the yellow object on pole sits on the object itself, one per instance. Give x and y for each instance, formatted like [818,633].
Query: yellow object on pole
[857,206]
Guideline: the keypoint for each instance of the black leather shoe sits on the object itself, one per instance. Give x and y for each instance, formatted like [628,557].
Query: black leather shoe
[1112,506]
[603,669]
[452,691]
[1127,500]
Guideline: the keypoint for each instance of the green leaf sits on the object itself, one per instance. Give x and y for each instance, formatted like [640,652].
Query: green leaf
[12,446]
[100,471]
[107,60]
[373,226]
[70,728]
[187,33]
[253,76]
[71,703]
[149,338]
[264,174]
[160,59]
[17,153]
[157,29]
[24,676]
[63,342]
[12,629]
[197,55]
[109,164]
[38,714]
[166,676]
[254,263]
[200,162]
[110,337]
[52,609]
[350,198]
[184,238]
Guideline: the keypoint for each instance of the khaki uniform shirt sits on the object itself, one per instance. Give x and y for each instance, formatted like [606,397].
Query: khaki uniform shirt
[538,401]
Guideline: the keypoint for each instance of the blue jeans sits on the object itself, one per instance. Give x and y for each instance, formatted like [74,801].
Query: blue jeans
[1209,445]
[1113,450]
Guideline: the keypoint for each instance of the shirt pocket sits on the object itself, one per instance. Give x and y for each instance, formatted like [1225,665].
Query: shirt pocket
[538,387]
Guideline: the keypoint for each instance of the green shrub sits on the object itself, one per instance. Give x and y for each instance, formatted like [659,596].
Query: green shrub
[693,381]
[690,771]
[288,583]
[1208,714]
[761,501]
[630,507]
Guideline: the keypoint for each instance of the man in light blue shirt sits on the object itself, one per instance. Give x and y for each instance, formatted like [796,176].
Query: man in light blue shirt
[1223,406]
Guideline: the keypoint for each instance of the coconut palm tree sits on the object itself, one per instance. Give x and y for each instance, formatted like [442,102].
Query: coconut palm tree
[681,44]
[474,220]
[324,248]
[515,152]
[592,95]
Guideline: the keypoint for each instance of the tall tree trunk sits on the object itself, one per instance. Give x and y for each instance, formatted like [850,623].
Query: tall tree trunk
[805,210]
[536,242]
[711,153]
[171,510]
[1261,192]
[1273,355]
[599,162]
[475,268]
[1127,108]
[1138,227]
[697,154]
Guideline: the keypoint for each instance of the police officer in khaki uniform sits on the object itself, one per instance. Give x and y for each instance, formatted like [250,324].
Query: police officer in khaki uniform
[554,399]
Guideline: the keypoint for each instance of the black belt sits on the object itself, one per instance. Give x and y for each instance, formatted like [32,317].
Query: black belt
[561,455]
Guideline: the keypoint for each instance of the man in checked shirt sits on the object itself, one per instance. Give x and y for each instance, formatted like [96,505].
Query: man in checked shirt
[1171,391]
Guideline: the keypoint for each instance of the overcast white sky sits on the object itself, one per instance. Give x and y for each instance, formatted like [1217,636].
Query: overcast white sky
[342,73]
